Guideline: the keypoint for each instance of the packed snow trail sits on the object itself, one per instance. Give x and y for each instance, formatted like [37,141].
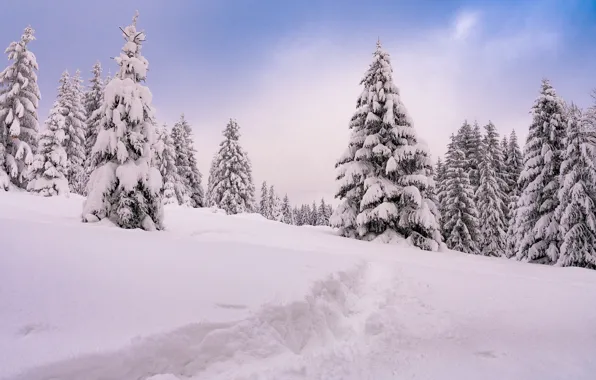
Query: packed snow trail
[240,297]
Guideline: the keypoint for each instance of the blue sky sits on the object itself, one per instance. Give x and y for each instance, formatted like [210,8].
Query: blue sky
[288,71]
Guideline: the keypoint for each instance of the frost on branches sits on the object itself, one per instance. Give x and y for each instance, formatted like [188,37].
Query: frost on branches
[186,162]
[49,168]
[76,129]
[577,196]
[460,216]
[536,228]
[232,188]
[124,187]
[490,196]
[384,177]
[92,103]
[19,98]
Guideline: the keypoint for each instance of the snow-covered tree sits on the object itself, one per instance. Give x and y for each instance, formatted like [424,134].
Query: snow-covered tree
[577,196]
[19,126]
[460,218]
[470,142]
[165,161]
[124,187]
[274,204]
[186,163]
[385,175]
[76,131]
[264,204]
[232,189]
[490,197]
[536,228]
[513,168]
[286,210]
[323,214]
[92,102]
[50,166]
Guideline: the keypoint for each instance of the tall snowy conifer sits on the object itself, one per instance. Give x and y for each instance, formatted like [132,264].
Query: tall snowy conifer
[577,196]
[274,205]
[323,214]
[490,197]
[460,217]
[186,163]
[385,175]
[513,168]
[92,102]
[165,161]
[19,126]
[124,187]
[76,131]
[50,166]
[536,228]
[264,205]
[232,189]
[286,210]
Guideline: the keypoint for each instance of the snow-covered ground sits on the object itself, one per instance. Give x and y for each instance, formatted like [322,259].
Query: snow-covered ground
[240,297]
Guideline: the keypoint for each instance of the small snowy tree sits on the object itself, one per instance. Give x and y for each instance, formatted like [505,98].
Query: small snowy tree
[286,210]
[76,131]
[577,196]
[489,197]
[92,102]
[264,204]
[460,214]
[323,214]
[186,163]
[125,187]
[165,161]
[19,99]
[513,168]
[536,228]
[232,189]
[49,168]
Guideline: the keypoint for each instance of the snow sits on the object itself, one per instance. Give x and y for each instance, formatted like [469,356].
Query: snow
[241,297]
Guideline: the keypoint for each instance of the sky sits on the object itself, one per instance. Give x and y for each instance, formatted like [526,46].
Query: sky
[289,71]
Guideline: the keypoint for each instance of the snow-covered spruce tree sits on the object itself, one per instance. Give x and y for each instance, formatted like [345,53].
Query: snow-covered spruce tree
[92,102]
[323,214]
[165,161]
[274,204]
[49,168]
[19,126]
[187,165]
[490,196]
[577,196]
[536,228]
[124,187]
[286,210]
[460,215]
[297,214]
[264,205]
[505,151]
[470,142]
[387,163]
[76,130]
[513,168]
[232,189]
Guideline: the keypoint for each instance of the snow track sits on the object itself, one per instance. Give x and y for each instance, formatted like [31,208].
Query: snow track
[335,312]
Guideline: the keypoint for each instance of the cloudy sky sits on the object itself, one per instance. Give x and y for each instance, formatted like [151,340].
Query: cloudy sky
[289,71]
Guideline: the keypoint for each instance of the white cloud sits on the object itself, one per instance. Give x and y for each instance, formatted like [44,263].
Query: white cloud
[295,123]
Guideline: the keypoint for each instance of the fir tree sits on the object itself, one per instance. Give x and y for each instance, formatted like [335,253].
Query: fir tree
[490,196]
[124,187]
[165,161]
[92,103]
[232,189]
[286,210]
[50,165]
[272,202]
[513,168]
[469,140]
[460,216]
[19,126]
[536,228]
[264,204]
[577,196]
[76,130]
[186,163]
[323,214]
[385,182]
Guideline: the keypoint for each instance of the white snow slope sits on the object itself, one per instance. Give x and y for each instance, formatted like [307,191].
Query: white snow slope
[240,297]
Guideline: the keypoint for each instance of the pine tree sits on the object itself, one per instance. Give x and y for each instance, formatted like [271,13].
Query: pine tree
[272,202]
[490,197]
[577,196]
[92,102]
[513,166]
[323,214]
[469,140]
[19,126]
[297,215]
[385,176]
[505,151]
[264,204]
[76,131]
[186,163]
[286,210]
[460,216]
[232,189]
[124,187]
[50,166]
[165,161]
[536,228]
